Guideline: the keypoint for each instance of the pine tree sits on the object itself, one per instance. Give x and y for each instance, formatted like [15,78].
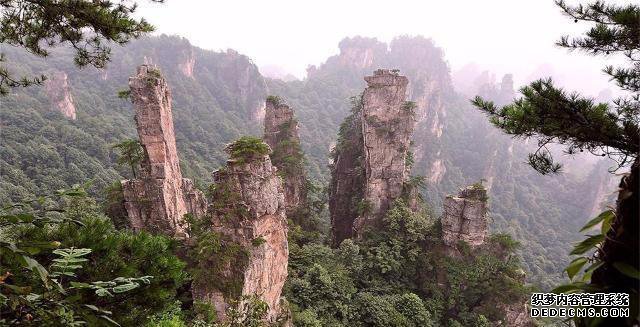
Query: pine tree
[131,154]
[88,26]
[550,115]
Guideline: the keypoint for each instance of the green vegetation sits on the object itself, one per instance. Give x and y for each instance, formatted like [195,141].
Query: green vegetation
[258,241]
[387,279]
[578,124]
[410,106]
[131,154]
[275,100]
[63,263]
[246,149]
[87,26]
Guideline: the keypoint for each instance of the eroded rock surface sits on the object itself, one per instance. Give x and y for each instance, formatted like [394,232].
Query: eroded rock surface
[347,178]
[59,93]
[465,218]
[281,134]
[187,62]
[159,198]
[369,167]
[248,209]
[387,125]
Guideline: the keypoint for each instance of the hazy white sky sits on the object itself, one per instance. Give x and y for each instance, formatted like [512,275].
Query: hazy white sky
[504,36]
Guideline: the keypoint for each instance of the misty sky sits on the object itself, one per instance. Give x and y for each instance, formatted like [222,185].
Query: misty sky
[503,36]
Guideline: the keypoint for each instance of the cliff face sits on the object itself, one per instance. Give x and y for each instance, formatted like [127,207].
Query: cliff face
[248,210]
[465,218]
[369,167]
[245,82]
[387,125]
[347,177]
[59,93]
[187,62]
[160,197]
[281,134]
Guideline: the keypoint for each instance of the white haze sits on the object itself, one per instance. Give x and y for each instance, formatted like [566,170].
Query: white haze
[502,36]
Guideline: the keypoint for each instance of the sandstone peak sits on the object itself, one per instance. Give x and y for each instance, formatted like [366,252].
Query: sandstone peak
[375,144]
[59,93]
[387,126]
[159,198]
[465,217]
[281,134]
[386,77]
[248,211]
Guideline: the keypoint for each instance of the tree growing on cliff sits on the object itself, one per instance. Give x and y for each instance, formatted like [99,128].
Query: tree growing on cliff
[88,26]
[131,154]
[549,114]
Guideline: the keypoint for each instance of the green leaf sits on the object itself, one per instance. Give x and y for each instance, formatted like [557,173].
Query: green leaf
[574,267]
[22,290]
[589,271]
[606,224]
[587,244]
[80,285]
[32,264]
[125,287]
[109,320]
[103,292]
[92,307]
[602,216]
[627,269]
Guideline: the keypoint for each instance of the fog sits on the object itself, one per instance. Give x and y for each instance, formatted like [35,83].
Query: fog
[285,36]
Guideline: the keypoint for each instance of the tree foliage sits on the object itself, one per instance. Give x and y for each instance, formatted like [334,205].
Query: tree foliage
[608,259]
[44,280]
[88,26]
[553,116]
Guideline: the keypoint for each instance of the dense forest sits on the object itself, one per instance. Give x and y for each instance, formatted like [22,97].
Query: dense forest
[221,96]
[160,184]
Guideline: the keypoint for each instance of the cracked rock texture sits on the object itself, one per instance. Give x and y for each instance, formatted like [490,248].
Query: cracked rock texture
[387,125]
[347,180]
[256,187]
[281,134]
[159,198]
[59,92]
[465,218]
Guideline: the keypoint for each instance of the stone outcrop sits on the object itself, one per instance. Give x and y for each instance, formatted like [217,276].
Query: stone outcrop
[187,62]
[369,169]
[59,93]
[465,218]
[248,209]
[387,125]
[347,178]
[243,80]
[159,198]
[281,134]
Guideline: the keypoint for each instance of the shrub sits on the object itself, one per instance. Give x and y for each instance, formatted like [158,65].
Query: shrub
[247,148]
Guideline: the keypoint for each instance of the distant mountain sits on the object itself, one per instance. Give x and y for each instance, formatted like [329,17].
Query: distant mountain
[218,96]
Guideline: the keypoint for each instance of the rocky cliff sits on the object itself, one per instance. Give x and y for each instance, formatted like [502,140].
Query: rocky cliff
[465,218]
[59,92]
[281,134]
[248,211]
[347,176]
[369,166]
[159,198]
[387,125]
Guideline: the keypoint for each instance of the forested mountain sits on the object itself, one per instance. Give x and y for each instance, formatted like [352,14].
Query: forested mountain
[218,96]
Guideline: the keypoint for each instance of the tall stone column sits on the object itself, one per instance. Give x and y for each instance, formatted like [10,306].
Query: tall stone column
[155,201]
[387,125]
[281,134]
[465,218]
[247,213]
